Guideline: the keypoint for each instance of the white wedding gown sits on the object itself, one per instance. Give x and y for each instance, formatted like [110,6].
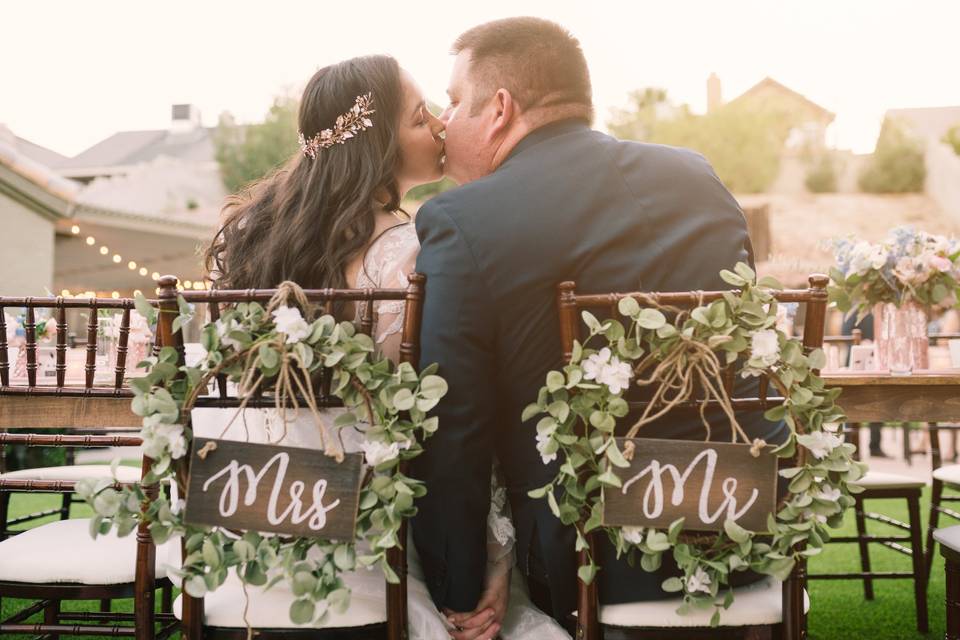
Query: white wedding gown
[387,263]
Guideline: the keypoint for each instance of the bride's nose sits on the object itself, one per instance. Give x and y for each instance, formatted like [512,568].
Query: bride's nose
[437,128]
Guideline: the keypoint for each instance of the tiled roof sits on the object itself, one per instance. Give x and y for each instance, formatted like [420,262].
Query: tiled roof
[133,147]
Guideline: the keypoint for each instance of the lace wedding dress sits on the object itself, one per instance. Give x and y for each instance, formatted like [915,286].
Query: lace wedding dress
[387,263]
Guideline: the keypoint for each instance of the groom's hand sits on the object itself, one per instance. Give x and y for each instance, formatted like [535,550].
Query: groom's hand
[480,624]
[484,622]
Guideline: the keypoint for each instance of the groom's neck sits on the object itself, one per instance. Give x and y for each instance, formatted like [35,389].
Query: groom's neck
[533,119]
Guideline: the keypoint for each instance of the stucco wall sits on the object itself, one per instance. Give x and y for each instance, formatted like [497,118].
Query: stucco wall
[26,250]
[943,178]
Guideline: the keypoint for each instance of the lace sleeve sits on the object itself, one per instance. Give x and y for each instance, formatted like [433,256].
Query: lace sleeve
[500,531]
[388,263]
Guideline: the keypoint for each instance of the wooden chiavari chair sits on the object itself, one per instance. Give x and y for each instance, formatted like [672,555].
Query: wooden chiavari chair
[220,613]
[59,561]
[750,615]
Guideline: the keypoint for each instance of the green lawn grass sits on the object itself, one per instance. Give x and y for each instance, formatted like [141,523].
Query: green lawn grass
[838,609]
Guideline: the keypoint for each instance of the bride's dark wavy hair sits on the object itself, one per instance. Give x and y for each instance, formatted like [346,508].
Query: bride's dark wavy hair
[307,219]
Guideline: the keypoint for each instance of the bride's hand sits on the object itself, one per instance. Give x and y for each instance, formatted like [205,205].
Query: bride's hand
[484,622]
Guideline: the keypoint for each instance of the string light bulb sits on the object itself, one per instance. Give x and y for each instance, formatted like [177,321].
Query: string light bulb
[117,258]
[75,229]
[131,265]
[91,240]
[104,250]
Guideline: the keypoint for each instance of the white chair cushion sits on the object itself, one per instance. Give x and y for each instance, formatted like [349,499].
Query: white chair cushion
[948,537]
[270,609]
[879,480]
[756,604]
[74,473]
[949,474]
[63,551]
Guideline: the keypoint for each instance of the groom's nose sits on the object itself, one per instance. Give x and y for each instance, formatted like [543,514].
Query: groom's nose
[445,114]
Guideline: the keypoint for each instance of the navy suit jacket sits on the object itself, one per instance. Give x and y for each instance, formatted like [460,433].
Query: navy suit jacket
[568,203]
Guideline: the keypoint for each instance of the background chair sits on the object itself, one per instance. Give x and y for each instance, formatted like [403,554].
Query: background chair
[949,539]
[220,614]
[882,485]
[767,609]
[59,561]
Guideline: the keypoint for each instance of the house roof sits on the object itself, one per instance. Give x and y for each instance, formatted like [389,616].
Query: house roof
[53,195]
[769,83]
[127,148]
[929,122]
[50,193]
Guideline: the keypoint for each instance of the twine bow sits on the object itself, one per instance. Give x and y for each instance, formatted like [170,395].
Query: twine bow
[676,375]
[292,376]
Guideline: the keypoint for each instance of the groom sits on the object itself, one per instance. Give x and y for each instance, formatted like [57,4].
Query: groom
[543,199]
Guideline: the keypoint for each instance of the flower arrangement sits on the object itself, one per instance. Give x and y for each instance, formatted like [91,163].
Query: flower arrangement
[278,349]
[908,266]
[581,404]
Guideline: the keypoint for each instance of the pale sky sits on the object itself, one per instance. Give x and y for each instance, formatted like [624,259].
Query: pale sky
[75,72]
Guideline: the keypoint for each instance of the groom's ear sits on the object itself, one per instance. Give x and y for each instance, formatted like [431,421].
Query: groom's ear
[504,111]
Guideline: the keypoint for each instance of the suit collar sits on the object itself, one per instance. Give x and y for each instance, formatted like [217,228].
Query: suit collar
[547,131]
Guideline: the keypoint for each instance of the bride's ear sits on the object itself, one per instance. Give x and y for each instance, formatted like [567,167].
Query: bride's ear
[504,111]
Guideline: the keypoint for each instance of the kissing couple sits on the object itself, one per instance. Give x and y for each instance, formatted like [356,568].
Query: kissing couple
[541,198]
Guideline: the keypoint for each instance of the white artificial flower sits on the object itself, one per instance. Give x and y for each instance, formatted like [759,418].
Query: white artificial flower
[376,453]
[940,263]
[823,443]
[877,257]
[830,494]
[542,440]
[161,438]
[860,256]
[633,535]
[699,581]
[178,447]
[766,346]
[810,515]
[290,323]
[596,364]
[616,375]
[223,332]
[912,270]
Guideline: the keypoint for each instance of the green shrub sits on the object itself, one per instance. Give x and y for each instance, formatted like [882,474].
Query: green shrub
[822,175]
[897,164]
[743,141]
[247,153]
[952,138]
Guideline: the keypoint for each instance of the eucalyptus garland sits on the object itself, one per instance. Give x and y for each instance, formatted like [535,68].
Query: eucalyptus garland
[276,349]
[581,406]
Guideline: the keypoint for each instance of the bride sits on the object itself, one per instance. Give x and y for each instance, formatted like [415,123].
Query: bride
[331,217]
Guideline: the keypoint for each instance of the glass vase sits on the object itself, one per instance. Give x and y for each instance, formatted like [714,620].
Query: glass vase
[900,334]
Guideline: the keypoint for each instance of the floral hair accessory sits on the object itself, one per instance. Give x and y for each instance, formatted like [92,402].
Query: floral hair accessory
[348,125]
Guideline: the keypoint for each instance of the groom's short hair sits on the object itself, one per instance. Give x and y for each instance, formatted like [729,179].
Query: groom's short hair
[539,62]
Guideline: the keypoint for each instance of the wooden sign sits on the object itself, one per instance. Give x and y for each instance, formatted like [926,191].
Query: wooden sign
[703,482]
[289,490]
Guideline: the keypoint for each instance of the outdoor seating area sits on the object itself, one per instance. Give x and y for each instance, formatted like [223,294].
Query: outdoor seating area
[90,411]
[518,321]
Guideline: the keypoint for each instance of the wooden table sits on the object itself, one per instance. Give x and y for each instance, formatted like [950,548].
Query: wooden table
[924,396]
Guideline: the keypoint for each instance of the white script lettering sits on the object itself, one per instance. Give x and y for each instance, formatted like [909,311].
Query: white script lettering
[230,495]
[653,496]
